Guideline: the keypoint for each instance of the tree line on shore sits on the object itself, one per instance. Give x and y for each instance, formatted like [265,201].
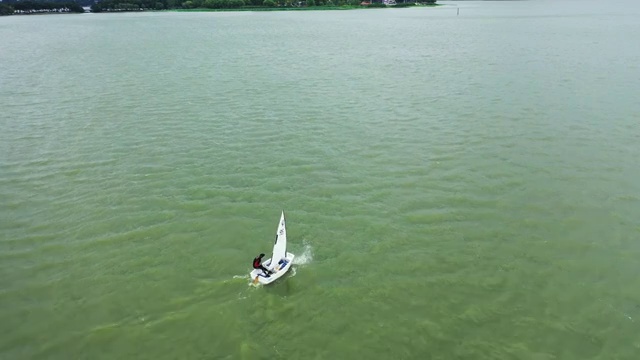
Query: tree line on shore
[35,6]
[10,7]
[137,5]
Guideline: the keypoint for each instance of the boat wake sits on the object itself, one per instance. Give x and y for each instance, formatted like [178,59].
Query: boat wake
[305,258]
[235,278]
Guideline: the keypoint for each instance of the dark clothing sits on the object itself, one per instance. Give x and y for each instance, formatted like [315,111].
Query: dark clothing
[267,273]
[257,265]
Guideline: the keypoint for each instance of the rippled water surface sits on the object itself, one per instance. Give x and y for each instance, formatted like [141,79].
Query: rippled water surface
[456,187]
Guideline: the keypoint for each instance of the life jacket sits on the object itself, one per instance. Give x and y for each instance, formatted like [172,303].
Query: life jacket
[256,263]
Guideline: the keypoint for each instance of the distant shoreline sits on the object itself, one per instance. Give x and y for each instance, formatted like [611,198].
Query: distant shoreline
[8,11]
[41,7]
[306,8]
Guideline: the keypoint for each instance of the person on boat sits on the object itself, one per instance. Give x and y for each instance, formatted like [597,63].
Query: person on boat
[257,264]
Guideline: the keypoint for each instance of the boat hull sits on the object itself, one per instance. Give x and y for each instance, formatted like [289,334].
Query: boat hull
[257,275]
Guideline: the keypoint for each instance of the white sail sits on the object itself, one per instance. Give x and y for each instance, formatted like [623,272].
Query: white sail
[280,247]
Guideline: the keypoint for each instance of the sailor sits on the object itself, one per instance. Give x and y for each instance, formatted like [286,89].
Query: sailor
[257,264]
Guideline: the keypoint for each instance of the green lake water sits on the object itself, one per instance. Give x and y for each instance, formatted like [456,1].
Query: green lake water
[456,187]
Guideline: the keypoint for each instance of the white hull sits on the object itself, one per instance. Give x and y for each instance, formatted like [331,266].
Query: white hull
[257,275]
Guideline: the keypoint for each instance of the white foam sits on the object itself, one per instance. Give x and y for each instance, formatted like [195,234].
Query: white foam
[304,258]
[236,277]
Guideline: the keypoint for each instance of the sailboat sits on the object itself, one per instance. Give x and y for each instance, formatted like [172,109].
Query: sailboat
[280,260]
